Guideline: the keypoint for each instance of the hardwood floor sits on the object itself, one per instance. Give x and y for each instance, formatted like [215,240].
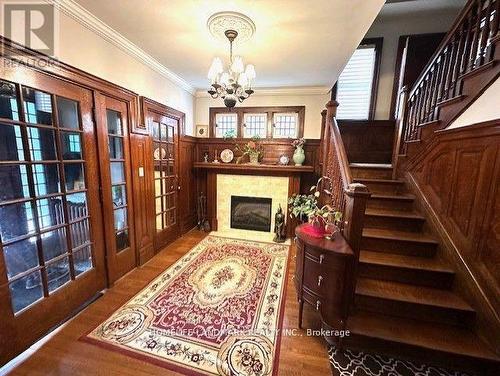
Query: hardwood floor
[64,354]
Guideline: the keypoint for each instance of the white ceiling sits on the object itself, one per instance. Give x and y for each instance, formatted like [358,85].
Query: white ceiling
[297,42]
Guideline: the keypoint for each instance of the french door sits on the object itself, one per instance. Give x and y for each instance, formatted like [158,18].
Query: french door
[114,155]
[165,131]
[51,239]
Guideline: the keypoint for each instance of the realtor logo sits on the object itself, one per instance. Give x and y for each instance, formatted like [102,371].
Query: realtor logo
[33,24]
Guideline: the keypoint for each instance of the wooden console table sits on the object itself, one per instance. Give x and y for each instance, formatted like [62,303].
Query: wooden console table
[324,278]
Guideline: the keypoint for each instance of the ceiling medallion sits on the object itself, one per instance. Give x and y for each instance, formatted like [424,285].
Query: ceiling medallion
[219,22]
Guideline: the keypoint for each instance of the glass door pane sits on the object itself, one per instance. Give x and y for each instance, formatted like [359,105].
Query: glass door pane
[118,179]
[43,197]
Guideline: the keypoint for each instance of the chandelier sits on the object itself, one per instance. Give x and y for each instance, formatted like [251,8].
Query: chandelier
[235,84]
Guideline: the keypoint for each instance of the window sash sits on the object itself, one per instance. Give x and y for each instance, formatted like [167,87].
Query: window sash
[224,123]
[285,125]
[254,124]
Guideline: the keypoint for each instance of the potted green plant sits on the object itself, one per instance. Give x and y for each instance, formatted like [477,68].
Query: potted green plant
[323,221]
[252,149]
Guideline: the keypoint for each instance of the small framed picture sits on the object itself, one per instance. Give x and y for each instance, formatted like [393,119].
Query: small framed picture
[202,130]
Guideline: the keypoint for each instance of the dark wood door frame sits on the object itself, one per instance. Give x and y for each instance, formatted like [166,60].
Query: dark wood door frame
[118,263]
[150,110]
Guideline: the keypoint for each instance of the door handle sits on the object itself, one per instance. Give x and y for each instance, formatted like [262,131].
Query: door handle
[178,187]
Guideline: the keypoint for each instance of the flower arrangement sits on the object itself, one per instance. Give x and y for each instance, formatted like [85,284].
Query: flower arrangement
[323,220]
[252,149]
[299,142]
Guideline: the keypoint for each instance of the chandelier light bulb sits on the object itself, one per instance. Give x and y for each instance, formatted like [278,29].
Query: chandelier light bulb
[224,78]
[237,65]
[250,72]
[243,80]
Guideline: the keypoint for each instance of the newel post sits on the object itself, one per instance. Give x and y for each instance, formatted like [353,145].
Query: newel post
[331,111]
[319,164]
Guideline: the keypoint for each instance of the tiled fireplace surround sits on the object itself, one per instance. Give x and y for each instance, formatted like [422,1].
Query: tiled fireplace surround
[274,187]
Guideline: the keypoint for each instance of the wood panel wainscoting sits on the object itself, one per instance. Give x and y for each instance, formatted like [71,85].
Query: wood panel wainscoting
[456,178]
[188,183]
[368,141]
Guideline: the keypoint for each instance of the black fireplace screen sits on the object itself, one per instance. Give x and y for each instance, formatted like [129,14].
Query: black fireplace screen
[251,213]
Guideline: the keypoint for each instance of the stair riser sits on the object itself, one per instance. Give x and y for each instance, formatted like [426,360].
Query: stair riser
[394,223]
[378,203]
[384,188]
[402,247]
[427,278]
[424,355]
[416,311]
[371,173]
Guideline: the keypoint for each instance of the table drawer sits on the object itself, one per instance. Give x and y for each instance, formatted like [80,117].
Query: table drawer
[314,277]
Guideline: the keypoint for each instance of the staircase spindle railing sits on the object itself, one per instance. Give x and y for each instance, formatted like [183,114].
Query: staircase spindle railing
[467,47]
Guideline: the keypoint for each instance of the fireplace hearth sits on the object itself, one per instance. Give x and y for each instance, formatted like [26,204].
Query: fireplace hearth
[251,213]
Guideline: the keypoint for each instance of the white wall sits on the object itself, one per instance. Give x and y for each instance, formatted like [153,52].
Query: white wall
[391,28]
[485,107]
[90,52]
[314,103]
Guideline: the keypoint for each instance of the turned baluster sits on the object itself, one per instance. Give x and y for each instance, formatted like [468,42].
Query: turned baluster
[475,36]
[493,30]
[485,32]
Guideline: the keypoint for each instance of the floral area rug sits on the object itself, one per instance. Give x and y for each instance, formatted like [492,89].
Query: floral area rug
[216,311]
[359,363]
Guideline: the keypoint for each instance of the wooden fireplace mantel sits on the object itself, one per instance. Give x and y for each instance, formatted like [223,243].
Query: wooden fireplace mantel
[211,170]
[254,169]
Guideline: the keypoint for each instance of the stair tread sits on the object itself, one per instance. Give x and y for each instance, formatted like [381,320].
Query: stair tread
[403,261]
[407,293]
[381,181]
[445,338]
[371,165]
[388,196]
[393,213]
[398,235]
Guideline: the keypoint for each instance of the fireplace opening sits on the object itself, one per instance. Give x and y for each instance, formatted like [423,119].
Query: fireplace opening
[251,213]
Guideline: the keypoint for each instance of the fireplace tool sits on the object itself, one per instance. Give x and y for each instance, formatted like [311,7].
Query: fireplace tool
[203,223]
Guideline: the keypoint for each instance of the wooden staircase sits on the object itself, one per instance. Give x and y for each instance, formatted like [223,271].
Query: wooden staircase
[404,299]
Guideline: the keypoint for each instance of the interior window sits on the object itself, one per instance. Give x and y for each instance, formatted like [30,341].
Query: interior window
[255,125]
[226,124]
[285,125]
[356,83]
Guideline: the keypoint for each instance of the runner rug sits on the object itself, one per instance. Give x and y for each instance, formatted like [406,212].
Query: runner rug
[216,311]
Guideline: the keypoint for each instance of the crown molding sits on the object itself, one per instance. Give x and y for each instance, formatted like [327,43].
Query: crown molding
[279,91]
[91,22]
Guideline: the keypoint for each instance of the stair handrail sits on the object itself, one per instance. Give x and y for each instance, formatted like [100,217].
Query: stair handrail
[346,196]
[466,47]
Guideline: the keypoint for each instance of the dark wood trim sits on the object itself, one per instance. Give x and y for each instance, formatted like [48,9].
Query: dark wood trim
[252,168]
[149,105]
[378,43]
[270,110]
